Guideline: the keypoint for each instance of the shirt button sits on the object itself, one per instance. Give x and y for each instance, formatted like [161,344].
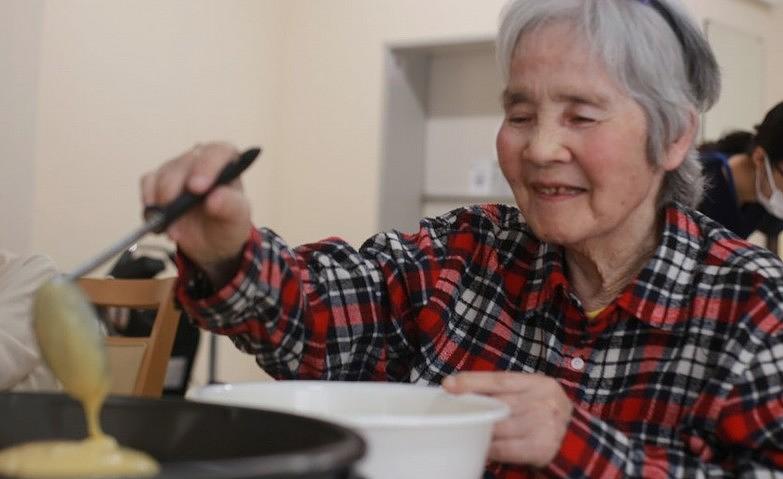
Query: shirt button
[577,363]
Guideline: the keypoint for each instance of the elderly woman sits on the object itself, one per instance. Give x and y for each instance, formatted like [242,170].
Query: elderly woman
[629,334]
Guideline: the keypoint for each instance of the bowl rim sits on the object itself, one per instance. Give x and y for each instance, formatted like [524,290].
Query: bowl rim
[491,409]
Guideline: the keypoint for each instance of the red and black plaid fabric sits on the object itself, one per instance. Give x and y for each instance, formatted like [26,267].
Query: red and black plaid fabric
[680,376]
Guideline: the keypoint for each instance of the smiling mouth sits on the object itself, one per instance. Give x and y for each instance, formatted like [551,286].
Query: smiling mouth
[558,190]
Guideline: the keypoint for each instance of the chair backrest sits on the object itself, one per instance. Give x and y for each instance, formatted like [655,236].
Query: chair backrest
[138,364]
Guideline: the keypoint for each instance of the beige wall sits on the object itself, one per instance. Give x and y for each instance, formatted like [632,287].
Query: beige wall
[124,85]
[117,86]
[20,39]
[775,57]
[757,18]
[328,182]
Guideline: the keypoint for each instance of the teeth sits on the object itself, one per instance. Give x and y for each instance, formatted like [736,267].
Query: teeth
[560,190]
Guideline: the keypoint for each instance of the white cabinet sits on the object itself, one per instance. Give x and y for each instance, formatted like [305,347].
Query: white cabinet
[442,111]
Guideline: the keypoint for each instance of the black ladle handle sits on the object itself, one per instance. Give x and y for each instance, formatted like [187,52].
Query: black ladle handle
[158,218]
[164,215]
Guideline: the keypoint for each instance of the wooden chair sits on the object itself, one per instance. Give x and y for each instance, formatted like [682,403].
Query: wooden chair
[138,364]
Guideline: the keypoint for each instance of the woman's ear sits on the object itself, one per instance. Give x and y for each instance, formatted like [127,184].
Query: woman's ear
[677,151]
[757,157]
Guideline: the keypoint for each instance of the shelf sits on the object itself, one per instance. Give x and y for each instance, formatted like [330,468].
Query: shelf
[441,117]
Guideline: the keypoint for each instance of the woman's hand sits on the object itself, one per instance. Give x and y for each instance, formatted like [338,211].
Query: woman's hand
[213,233]
[540,413]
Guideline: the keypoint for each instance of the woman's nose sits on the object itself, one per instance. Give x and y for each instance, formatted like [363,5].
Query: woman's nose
[545,145]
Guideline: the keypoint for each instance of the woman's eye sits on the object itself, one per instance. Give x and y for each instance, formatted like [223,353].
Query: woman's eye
[518,119]
[582,120]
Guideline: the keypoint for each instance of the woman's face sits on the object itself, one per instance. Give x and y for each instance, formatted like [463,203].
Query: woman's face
[573,144]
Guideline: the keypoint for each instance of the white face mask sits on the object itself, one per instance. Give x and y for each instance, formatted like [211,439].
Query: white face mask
[773,204]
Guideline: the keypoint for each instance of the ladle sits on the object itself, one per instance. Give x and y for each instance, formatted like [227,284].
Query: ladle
[66,325]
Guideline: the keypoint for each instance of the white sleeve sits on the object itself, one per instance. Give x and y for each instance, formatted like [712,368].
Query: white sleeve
[21,366]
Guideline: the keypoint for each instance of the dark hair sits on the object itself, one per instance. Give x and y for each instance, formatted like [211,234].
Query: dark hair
[732,143]
[769,134]
[735,142]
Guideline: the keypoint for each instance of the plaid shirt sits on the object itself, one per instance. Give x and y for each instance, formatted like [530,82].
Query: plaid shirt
[681,375]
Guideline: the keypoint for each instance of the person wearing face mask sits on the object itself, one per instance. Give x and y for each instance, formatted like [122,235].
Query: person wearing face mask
[743,190]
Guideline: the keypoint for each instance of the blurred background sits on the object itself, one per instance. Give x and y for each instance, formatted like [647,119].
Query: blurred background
[371,113]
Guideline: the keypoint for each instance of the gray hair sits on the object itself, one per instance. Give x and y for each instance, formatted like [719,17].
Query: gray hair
[665,65]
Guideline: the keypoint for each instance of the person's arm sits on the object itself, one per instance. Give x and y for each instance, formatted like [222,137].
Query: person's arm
[21,366]
[324,310]
[735,427]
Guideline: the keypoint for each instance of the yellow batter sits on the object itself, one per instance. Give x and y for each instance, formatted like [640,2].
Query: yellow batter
[90,458]
[72,345]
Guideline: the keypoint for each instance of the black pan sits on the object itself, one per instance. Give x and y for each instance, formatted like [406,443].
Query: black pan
[193,440]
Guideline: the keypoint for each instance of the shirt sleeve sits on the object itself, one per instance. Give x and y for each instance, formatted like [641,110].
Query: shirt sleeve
[745,440]
[21,367]
[325,310]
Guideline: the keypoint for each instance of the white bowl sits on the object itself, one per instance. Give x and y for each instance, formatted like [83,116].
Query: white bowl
[411,431]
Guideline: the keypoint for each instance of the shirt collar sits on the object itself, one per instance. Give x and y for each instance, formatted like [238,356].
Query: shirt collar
[663,288]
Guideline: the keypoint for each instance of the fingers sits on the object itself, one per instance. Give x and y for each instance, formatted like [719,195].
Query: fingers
[521,451]
[224,202]
[207,162]
[195,171]
[531,416]
[213,233]
[530,437]
[496,382]
[148,189]
[540,413]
